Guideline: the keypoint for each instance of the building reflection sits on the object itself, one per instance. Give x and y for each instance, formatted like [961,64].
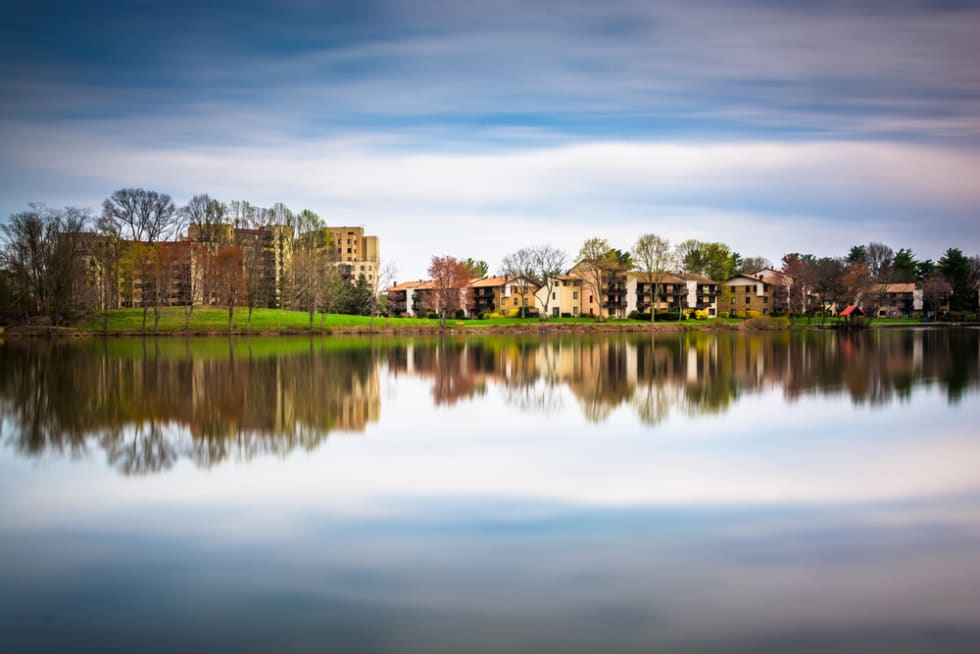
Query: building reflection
[149,404]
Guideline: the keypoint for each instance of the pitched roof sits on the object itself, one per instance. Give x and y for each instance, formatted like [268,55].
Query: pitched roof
[900,287]
[404,286]
[488,282]
[852,311]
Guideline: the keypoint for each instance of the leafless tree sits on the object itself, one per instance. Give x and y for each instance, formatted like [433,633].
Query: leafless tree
[654,259]
[139,215]
[594,263]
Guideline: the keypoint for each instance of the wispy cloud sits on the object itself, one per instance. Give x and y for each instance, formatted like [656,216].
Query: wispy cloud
[846,120]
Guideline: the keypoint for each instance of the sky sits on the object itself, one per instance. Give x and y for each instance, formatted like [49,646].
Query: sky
[476,128]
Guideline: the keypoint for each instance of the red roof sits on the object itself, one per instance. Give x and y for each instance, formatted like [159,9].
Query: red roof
[851,311]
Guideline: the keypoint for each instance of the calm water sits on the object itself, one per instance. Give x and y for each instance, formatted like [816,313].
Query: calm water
[689,493]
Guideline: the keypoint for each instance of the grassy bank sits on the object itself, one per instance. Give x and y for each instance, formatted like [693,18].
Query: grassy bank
[213,320]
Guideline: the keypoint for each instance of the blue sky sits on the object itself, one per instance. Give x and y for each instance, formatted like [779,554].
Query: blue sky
[475,128]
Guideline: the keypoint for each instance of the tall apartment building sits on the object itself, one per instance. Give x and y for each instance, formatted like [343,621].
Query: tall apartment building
[355,253]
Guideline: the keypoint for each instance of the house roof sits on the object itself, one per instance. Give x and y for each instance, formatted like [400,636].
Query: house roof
[852,311]
[900,287]
[700,279]
[404,286]
[488,282]
[771,274]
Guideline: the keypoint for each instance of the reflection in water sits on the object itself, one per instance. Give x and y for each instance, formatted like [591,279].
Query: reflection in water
[147,404]
[485,513]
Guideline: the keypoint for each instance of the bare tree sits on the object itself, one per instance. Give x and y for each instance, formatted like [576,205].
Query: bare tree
[878,263]
[309,263]
[230,278]
[548,263]
[140,215]
[519,265]
[594,263]
[654,259]
[385,277]
[752,265]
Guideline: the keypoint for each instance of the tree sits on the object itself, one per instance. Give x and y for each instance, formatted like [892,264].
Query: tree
[519,265]
[478,269]
[752,265]
[956,268]
[906,268]
[42,251]
[830,283]
[802,271]
[139,215]
[594,262]
[654,259]
[230,279]
[450,278]
[547,263]
[857,254]
[935,293]
[25,256]
[713,260]
[385,277]
[309,263]
[878,263]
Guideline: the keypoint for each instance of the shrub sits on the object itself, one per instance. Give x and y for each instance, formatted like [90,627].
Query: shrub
[566,314]
[459,314]
[432,315]
[766,323]
[493,315]
[752,314]
[701,314]
[668,315]
[638,315]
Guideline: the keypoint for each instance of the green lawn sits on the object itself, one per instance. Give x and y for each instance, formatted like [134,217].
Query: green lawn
[213,319]
[209,319]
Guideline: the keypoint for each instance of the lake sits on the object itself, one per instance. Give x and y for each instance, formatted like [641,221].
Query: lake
[694,492]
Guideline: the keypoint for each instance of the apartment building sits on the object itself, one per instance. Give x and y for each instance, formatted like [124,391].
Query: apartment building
[743,293]
[355,253]
[566,296]
[503,295]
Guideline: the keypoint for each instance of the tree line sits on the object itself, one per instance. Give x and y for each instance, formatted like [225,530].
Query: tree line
[67,265]
[812,284]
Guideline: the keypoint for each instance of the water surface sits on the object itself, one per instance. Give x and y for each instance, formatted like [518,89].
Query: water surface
[806,492]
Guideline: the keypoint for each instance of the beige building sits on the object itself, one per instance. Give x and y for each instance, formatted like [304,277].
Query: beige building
[744,293]
[355,253]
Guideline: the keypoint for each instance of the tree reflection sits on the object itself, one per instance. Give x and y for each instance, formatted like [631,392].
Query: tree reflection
[149,404]
[146,408]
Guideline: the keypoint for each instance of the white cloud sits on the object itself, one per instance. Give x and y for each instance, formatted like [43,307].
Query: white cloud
[761,197]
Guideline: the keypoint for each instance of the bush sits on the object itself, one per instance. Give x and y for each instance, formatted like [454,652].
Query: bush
[638,315]
[432,315]
[493,315]
[566,314]
[701,314]
[459,314]
[765,323]
[669,315]
[752,314]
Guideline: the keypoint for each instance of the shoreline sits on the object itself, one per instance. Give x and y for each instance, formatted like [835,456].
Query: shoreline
[542,328]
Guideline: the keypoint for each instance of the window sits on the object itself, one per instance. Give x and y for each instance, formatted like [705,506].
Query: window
[525,301]
[554,312]
[574,311]
[554,296]
[747,299]
[574,295]
[515,301]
